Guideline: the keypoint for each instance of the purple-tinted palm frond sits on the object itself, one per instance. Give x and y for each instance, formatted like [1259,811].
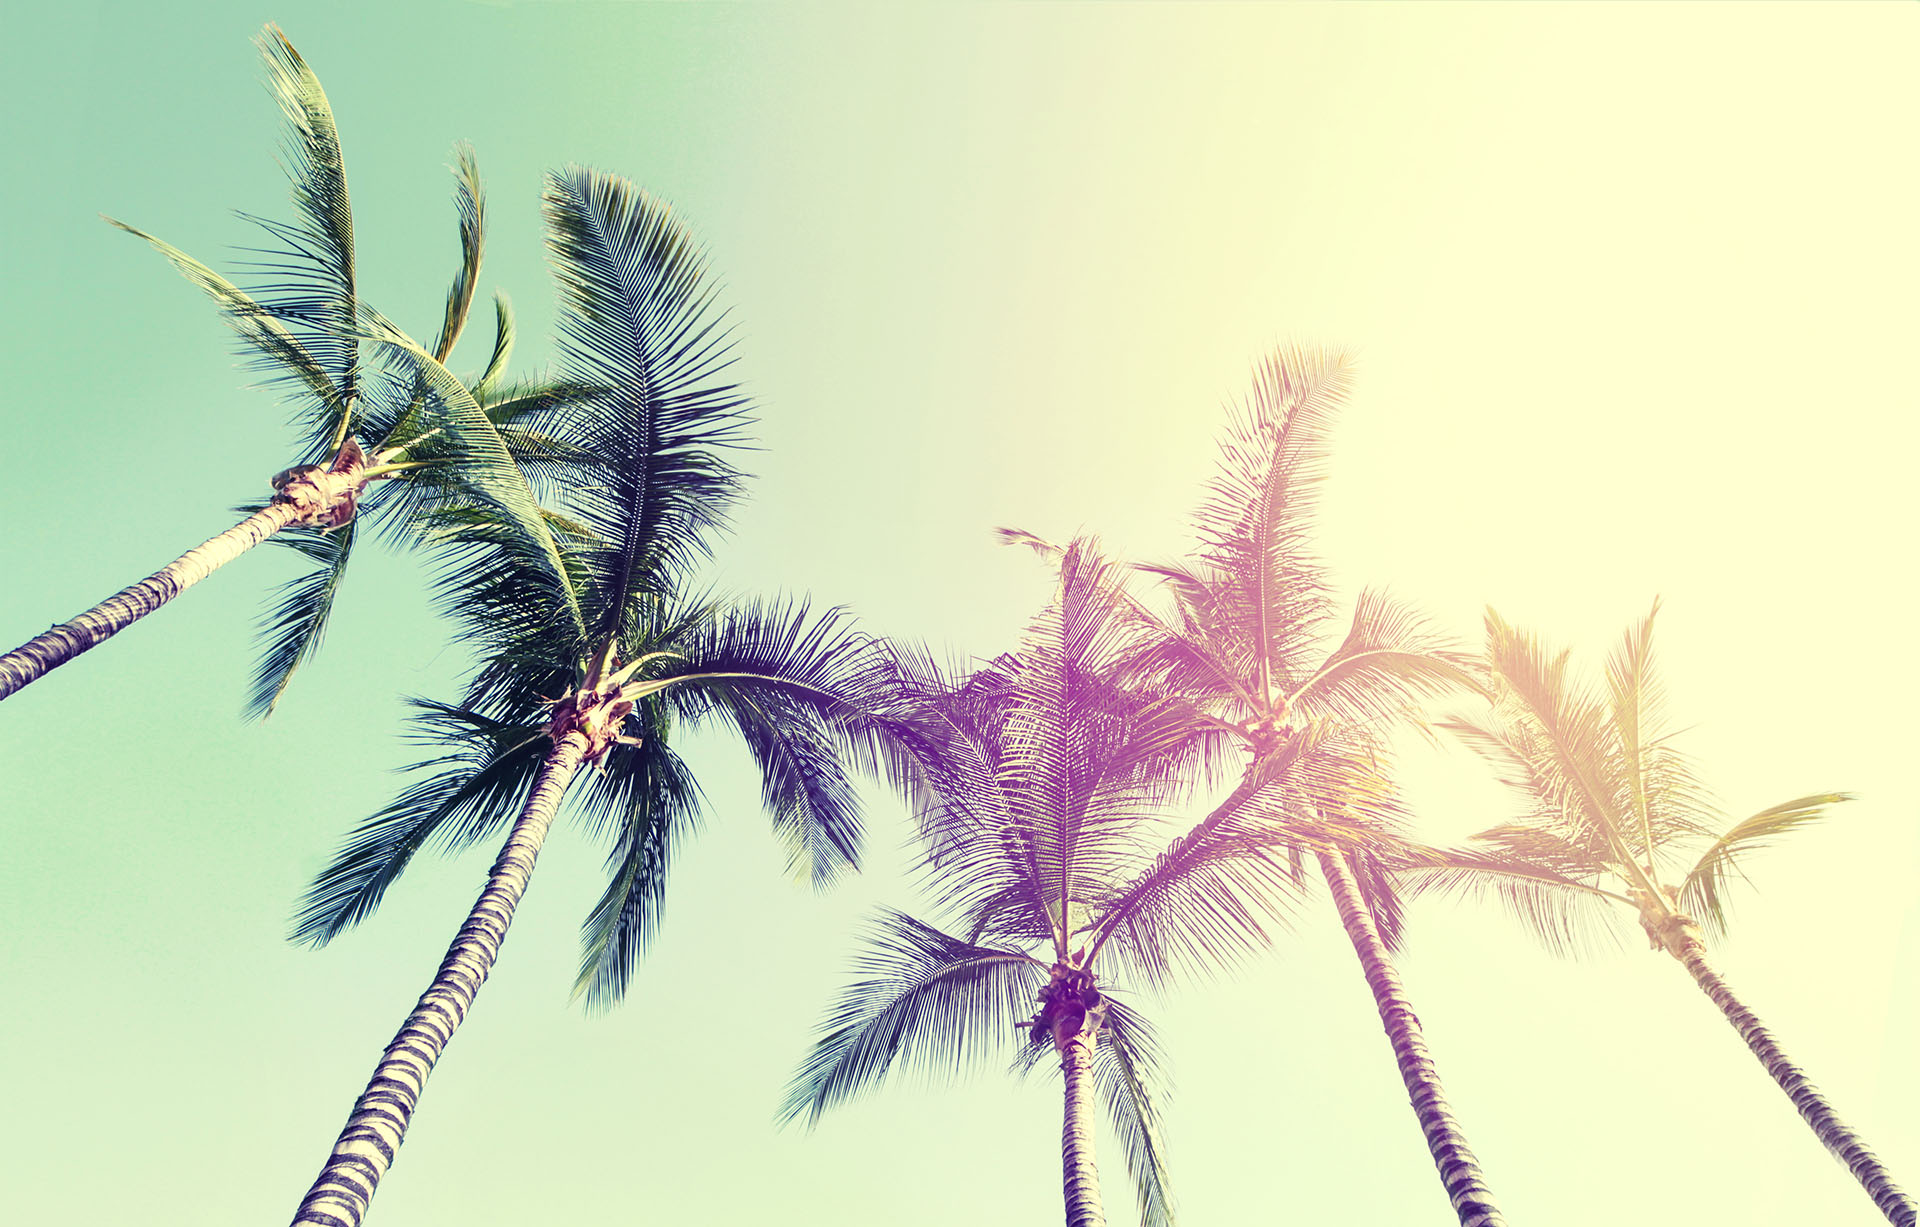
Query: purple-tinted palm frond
[921,997]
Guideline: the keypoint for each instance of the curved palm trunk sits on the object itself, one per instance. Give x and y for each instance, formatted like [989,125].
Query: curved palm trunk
[1079,1178]
[1813,1106]
[366,1147]
[1459,1170]
[60,644]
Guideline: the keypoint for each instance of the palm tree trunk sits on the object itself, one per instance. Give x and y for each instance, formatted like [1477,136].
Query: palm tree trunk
[366,1147]
[1813,1106]
[1459,1170]
[1079,1178]
[60,644]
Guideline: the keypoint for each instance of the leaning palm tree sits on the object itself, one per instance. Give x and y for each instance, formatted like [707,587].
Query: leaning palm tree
[1043,787]
[603,667]
[303,327]
[1246,643]
[1615,815]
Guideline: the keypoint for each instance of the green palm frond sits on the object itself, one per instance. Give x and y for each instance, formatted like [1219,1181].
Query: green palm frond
[295,622]
[932,1001]
[654,803]
[471,205]
[503,334]
[308,278]
[486,468]
[481,780]
[638,320]
[282,355]
[1700,892]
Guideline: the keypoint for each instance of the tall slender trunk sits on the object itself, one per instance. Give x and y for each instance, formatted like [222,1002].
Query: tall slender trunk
[60,644]
[1459,1170]
[1079,1178]
[366,1147]
[1812,1105]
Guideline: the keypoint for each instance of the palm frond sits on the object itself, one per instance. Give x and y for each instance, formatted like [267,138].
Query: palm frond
[486,469]
[638,321]
[282,356]
[1254,523]
[471,205]
[796,688]
[1129,1071]
[1208,898]
[1391,659]
[1700,893]
[933,1001]
[1563,736]
[297,619]
[310,273]
[1570,917]
[654,802]
[481,780]
[503,334]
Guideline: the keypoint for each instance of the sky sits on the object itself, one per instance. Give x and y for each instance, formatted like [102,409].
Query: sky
[1630,292]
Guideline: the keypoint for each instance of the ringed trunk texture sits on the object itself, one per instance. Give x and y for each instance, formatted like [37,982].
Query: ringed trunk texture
[1079,1178]
[1459,1170]
[1812,1105]
[366,1147]
[57,646]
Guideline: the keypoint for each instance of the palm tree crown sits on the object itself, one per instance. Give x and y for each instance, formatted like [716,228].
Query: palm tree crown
[1616,816]
[304,326]
[1044,789]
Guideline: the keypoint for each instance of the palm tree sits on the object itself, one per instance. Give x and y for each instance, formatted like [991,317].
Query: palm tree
[304,329]
[1613,812]
[600,668]
[1041,785]
[1245,643]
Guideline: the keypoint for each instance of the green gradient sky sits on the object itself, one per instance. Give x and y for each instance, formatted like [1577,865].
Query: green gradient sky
[1632,291]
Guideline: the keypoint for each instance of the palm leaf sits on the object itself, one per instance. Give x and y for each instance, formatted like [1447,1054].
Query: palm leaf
[295,622]
[283,355]
[487,468]
[1128,1069]
[1390,660]
[1129,1074]
[638,321]
[1570,917]
[933,1001]
[503,334]
[1254,522]
[796,689]
[470,203]
[655,803]
[1700,893]
[312,269]
[476,786]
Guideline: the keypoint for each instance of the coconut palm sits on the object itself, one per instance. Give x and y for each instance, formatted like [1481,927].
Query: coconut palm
[1246,642]
[603,668]
[1616,818]
[1043,790]
[303,327]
